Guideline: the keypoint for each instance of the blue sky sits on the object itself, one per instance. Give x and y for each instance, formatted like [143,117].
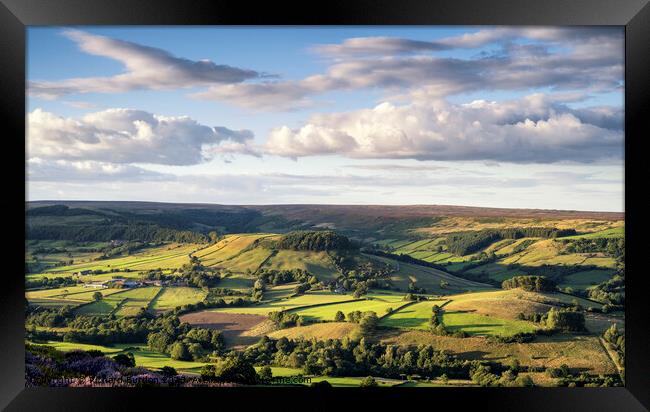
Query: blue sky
[484,116]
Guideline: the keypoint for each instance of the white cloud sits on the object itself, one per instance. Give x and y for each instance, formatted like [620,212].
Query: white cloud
[126,136]
[565,59]
[146,68]
[44,170]
[532,129]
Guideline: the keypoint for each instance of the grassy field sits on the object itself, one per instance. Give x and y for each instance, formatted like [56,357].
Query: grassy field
[168,256]
[310,298]
[414,316]
[615,232]
[221,253]
[353,381]
[326,313]
[581,353]
[584,280]
[318,263]
[280,291]
[428,278]
[477,324]
[172,297]
[327,330]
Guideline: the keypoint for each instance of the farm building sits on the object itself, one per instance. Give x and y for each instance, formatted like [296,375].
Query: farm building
[83,272]
[96,285]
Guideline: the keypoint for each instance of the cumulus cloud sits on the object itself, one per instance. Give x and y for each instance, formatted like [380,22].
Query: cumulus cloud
[532,129]
[566,59]
[145,68]
[126,136]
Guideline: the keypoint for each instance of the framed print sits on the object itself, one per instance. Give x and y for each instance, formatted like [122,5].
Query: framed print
[392,203]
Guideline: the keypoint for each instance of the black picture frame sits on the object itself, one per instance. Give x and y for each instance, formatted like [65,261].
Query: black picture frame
[15,15]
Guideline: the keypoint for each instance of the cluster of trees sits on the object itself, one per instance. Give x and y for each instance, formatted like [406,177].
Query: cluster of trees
[614,247]
[314,240]
[165,333]
[232,368]
[47,283]
[108,229]
[211,302]
[123,249]
[465,243]
[334,357]
[616,339]
[565,320]
[183,343]
[368,321]
[565,378]
[530,283]
[483,375]
[611,291]
[193,273]
[280,277]
[284,319]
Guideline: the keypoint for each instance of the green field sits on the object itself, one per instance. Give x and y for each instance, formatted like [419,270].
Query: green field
[585,279]
[318,263]
[169,256]
[172,297]
[428,278]
[353,381]
[615,232]
[476,324]
[310,298]
[326,313]
[415,316]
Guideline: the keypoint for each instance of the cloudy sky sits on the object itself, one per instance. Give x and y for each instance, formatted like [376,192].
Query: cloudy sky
[482,116]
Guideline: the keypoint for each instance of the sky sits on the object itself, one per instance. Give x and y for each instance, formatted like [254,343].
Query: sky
[515,117]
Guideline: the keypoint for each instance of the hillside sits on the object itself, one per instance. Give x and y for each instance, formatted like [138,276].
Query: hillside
[245,278]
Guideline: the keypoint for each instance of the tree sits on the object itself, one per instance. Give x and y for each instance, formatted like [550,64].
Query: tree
[266,373]
[444,284]
[168,371]
[321,384]
[97,296]
[368,323]
[368,382]
[235,368]
[565,320]
[125,359]
[339,317]
[179,351]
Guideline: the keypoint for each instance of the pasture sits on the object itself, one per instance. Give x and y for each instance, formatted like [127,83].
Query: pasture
[428,278]
[310,298]
[414,316]
[171,297]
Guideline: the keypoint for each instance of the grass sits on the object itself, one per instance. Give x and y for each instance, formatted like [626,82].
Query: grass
[283,371]
[311,298]
[143,356]
[172,297]
[428,278]
[585,279]
[327,313]
[318,263]
[477,324]
[99,308]
[615,232]
[280,291]
[219,254]
[321,331]
[416,316]
[168,256]
[68,346]
[353,381]
[579,352]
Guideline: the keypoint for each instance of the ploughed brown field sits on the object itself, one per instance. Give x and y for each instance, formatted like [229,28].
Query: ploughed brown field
[238,329]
